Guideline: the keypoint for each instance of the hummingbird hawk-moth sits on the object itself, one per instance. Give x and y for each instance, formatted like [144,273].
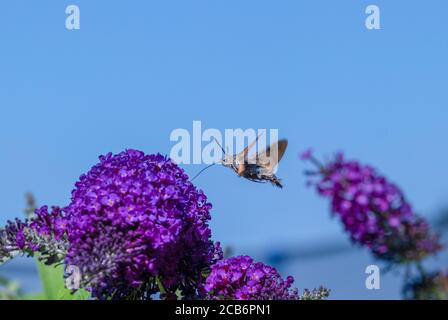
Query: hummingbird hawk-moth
[259,167]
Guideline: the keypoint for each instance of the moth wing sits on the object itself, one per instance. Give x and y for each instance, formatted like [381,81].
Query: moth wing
[268,158]
[242,156]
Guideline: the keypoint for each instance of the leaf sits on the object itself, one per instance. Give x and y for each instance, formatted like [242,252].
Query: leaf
[52,278]
[53,283]
[79,294]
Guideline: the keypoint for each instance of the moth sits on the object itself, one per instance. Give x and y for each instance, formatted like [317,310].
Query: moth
[260,166]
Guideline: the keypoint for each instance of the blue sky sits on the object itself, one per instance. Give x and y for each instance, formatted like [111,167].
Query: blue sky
[139,69]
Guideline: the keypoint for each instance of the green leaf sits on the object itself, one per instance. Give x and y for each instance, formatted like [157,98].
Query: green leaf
[79,294]
[53,283]
[52,278]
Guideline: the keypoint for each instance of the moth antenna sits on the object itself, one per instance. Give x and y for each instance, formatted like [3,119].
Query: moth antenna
[197,175]
[219,145]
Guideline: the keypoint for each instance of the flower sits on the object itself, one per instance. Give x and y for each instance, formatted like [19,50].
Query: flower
[374,211]
[52,224]
[432,286]
[306,155]
[239,278]
[138,226]
[315,294]
[44,233]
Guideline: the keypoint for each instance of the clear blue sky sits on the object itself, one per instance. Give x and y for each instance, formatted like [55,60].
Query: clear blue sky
[139,69]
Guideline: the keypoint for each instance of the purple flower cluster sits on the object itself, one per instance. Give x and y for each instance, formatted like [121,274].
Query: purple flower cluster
[239,278]
[373,210]
[45,233]
[52,224]
[136,226]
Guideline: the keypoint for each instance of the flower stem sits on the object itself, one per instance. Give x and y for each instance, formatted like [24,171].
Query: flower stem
[160,285]
[421,270]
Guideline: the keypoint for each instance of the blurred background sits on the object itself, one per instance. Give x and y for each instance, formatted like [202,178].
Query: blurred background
[137,70]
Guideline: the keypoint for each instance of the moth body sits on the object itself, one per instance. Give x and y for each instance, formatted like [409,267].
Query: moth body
[257,173]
